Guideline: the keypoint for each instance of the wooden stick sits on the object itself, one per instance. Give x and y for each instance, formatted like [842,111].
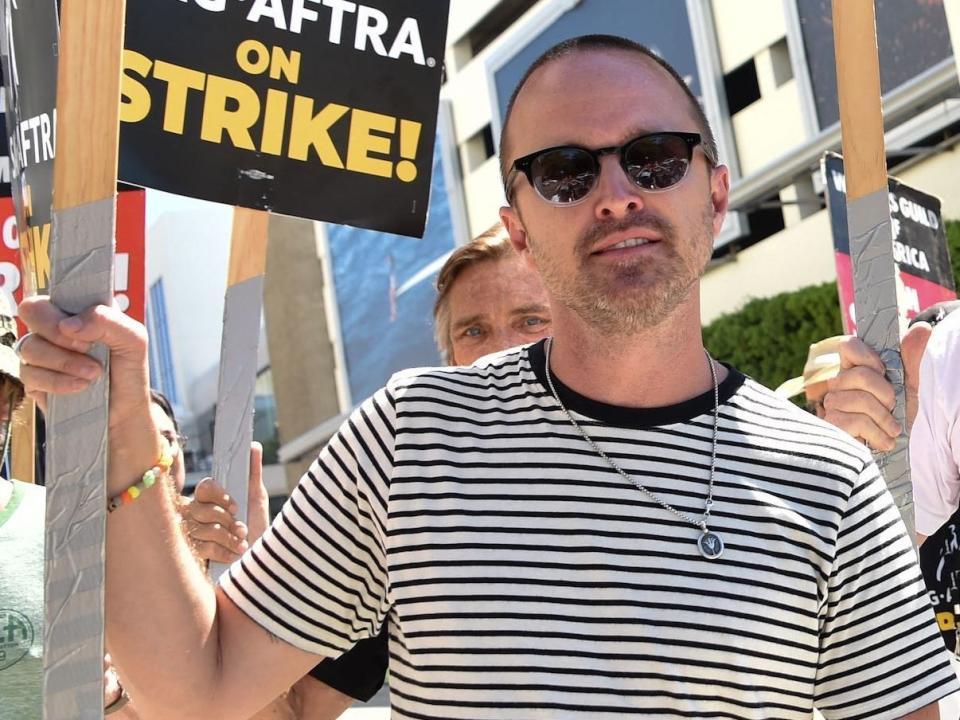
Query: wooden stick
[868,217]
[233,424]
[84,218]
[23,442]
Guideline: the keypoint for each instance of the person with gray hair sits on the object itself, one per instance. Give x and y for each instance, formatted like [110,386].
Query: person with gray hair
[22,510]
[488,300]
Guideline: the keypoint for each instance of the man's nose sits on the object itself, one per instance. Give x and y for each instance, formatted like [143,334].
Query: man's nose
[508,337]
[617,194]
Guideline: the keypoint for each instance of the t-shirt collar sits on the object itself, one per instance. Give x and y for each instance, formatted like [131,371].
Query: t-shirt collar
[633,417]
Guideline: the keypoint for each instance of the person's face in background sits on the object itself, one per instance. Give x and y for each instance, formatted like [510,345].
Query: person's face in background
[495,305]
[169,432]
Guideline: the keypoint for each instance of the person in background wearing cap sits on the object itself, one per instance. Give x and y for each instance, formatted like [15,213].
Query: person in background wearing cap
[823,364]
[22,507]
[860,400]
[841,377]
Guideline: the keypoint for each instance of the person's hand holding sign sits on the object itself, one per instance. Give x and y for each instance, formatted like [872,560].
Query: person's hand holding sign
[211,523]
[860,399]
[54,360]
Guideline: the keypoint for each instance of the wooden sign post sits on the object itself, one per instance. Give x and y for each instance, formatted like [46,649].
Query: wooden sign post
[868,217]
[233,424]
[84,216]
[23,442]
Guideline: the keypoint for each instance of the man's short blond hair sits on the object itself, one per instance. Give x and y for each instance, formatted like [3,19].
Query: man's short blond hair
[491,245]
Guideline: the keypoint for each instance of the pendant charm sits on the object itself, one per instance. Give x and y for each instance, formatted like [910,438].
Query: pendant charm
[710,544]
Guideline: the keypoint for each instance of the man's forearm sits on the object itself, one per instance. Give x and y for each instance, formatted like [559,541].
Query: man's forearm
[311,699]
[159,605]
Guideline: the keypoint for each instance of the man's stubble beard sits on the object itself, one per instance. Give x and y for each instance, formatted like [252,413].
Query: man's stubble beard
[627,298]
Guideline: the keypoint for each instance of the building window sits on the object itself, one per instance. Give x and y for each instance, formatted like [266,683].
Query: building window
[162,375]
[492,26]
[265,417]
[479,148]
[742,86]
[780,61]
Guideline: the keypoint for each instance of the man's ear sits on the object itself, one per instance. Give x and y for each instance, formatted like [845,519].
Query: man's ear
[719,195]
[518,234]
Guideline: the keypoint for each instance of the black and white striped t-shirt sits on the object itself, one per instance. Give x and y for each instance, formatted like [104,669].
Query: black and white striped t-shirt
[521,577]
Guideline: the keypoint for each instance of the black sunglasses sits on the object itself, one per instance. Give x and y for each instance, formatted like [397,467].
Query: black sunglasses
[566,174]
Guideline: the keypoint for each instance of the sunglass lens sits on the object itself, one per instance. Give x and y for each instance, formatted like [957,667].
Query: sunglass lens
[563,176]
[657,162]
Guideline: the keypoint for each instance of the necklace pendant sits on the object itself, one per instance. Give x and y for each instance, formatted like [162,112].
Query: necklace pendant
[710,545]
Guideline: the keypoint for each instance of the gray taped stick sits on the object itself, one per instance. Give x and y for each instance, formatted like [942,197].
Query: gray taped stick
[878,325]
[81,276]
[233,424]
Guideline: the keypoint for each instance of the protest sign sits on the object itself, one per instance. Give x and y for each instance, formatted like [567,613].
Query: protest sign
[324,110]
[27,171]
[30,34]
[129,271]
[868,219]
[4,146]
[62,92]
[236,383]
[919,244]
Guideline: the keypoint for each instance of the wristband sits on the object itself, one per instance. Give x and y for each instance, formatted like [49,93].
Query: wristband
[147,480]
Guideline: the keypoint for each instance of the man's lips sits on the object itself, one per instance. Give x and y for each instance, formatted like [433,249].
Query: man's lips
[624,242]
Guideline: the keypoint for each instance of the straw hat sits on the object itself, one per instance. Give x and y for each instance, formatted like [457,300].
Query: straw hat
[823,363]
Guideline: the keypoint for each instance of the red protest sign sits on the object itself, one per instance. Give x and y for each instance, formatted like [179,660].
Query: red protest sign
[129,279]
[919,244]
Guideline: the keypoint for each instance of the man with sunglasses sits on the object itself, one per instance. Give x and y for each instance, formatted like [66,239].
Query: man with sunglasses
[603,525]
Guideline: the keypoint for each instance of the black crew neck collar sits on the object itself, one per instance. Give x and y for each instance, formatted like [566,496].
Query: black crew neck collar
[627,416]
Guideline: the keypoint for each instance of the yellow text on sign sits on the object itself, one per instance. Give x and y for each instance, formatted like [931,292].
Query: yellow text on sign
[946,621]
[280,123]
[37,251]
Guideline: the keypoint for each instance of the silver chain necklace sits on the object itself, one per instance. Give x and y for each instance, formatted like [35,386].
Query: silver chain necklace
[709,542]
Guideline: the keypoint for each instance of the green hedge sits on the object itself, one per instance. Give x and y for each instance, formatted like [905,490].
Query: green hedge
[953,242]
[768,338]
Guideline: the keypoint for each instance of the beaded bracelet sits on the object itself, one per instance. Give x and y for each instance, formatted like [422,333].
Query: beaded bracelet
[147,481]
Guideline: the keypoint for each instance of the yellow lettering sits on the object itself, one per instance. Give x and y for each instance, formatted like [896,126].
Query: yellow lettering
[274,121]
[134,96]
[41,254]
[285,65]
[363,142]
[946,621]
[180,81]
[232,109]
[218,118]
[253,57]
[308,130]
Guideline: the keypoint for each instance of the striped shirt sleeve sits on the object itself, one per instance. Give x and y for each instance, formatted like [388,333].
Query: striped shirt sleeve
[317,578]
[881,655]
